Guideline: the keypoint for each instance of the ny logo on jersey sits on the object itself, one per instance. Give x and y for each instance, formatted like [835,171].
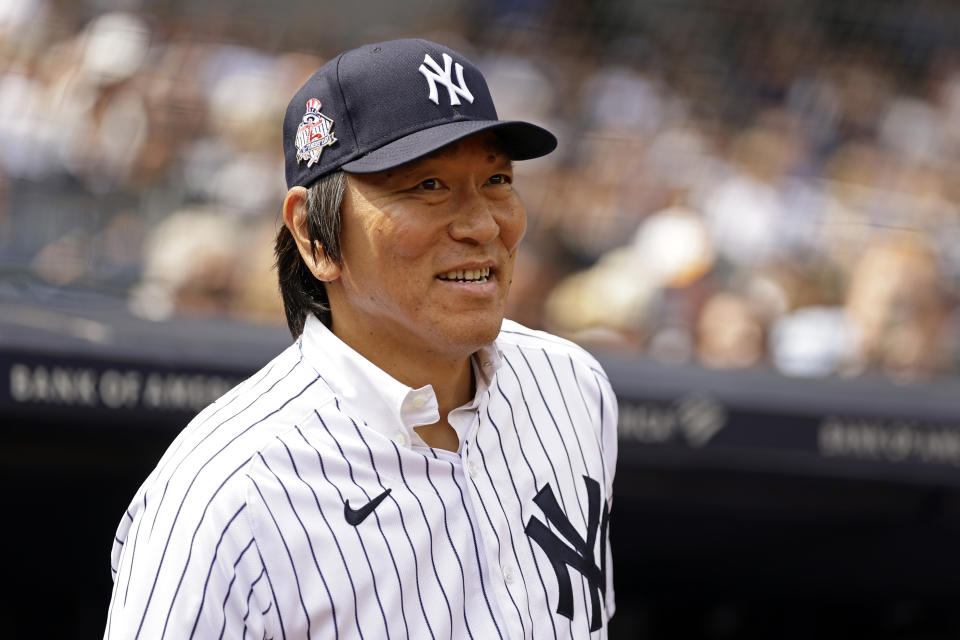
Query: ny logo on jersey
[435,74]
[580,555]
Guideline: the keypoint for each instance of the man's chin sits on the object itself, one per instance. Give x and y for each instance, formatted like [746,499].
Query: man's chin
[466,339]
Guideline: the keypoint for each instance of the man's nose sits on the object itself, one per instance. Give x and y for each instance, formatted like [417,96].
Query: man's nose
[476,220]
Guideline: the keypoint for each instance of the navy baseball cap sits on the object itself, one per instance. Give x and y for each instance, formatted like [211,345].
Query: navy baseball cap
[382,105]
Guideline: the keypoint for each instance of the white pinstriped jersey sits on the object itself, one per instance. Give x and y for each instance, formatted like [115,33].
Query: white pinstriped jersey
[244,528]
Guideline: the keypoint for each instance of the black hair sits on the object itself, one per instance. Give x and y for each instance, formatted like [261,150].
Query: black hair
[300,290]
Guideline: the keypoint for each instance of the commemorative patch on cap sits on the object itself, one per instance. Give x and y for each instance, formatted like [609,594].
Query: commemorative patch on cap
[313,134]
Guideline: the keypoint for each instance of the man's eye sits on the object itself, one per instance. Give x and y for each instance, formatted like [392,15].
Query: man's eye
[500,178]
[431,184]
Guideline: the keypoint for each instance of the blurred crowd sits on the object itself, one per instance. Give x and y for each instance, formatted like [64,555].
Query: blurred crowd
[734,190]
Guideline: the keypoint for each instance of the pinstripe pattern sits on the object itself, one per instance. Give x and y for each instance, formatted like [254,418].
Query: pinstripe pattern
[240,530]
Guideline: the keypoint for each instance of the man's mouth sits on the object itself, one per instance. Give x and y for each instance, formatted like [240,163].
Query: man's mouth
[466,275]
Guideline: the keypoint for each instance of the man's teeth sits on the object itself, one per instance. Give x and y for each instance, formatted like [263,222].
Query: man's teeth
[467,275]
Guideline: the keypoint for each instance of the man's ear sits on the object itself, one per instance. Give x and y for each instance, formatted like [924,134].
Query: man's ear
[295,218]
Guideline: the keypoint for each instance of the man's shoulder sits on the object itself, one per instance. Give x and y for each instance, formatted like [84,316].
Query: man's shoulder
[232,430]
[514,339]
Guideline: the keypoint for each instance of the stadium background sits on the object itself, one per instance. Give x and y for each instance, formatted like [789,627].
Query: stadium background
[752,219]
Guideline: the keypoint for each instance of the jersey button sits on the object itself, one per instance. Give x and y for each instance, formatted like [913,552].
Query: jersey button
[473,468]
[401,438]
[419,401]
[509,575]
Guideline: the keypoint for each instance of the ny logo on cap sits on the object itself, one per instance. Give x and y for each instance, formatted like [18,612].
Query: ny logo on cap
[435,74]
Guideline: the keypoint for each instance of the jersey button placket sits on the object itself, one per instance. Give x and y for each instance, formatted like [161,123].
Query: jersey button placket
[473,468]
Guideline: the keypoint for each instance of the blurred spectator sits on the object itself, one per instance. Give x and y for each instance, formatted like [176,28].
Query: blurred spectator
[188,265]
[814,341]
[896,300]
[729,335]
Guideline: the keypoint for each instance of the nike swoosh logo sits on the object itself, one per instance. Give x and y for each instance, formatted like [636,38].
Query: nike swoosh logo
[356,516]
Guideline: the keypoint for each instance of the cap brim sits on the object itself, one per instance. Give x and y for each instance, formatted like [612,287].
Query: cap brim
[521,141]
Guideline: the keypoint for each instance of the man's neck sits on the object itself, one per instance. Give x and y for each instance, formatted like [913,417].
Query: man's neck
[451,377]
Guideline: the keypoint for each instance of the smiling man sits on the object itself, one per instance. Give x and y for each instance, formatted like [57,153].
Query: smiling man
[414,465]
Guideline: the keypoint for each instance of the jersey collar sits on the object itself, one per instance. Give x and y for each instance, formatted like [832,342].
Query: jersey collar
[385,404]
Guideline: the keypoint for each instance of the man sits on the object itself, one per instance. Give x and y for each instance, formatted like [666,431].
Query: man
[413,466]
